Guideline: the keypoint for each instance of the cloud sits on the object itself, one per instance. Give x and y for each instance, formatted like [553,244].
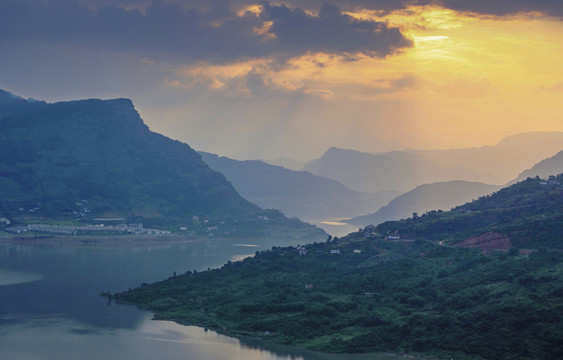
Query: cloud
[505,7]
[485,7]
[258,78]
[331,31]
[488,7]
[176,32]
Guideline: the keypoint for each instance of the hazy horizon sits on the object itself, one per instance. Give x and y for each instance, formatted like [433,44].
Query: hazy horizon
[291,79]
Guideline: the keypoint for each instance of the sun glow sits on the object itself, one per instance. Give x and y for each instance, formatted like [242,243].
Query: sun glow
[465,77]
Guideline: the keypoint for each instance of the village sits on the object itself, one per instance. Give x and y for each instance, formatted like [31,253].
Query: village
[101,229]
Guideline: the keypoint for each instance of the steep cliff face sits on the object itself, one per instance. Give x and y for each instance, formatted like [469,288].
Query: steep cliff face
[100,153]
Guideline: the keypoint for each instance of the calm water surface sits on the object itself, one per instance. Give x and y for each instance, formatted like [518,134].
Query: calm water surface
[50,307]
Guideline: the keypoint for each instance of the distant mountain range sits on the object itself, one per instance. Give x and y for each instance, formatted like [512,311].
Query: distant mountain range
[92,158]
[396,170]
[427,197]
[287,163]
[544,169]
[295,193]
[404,170]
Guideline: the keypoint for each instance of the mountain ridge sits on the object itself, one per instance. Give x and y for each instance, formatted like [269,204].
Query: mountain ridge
[406,169]
[296,193]
[101,153]
[529,213]
[424,198]
[545,168]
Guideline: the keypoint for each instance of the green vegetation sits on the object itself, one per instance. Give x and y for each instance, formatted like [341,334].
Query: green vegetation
[529,213]
[92,158]
[409,295]
[390,297]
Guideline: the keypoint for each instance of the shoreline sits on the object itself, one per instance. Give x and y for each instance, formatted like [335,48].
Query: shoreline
[261,341]
[89,240]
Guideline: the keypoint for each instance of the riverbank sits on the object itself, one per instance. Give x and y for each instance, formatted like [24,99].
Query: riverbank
[118,240]
[264,342]
[358,295]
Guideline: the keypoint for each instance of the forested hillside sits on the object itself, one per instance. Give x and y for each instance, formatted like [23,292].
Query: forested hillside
[530,213]
[392,296]
[96,158]
[415,293]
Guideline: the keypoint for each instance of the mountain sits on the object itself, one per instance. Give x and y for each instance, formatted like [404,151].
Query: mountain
[423,198]
[528,214]
[397,170]
[504,160]
[96,158]
[287,163]
[14,103]
[404,170]
[544,169]
[295,193]
[7,97]
[425,294]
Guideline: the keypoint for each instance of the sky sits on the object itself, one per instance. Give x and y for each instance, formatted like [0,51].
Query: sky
[251,79]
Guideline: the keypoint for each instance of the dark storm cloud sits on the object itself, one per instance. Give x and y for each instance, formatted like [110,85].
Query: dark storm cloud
[330,31]
[485,7]
[214,33]
[505,7]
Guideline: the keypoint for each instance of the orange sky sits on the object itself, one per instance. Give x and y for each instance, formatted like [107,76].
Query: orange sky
[241,84]
[468,81]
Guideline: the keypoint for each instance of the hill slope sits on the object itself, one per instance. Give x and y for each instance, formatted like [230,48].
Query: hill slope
[366,294]
[436,196]
[295,193]
[56,159]
[543,169]
[529,214]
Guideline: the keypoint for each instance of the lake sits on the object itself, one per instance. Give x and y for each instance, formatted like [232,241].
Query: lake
[51,308]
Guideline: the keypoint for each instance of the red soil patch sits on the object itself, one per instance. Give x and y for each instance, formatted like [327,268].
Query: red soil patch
[488,241]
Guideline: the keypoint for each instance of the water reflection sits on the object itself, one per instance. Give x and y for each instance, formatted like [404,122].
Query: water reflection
[62,338]
[66,339]
[11,277]
[60,315]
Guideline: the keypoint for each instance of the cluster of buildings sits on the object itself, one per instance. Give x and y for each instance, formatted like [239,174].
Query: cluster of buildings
[303,251]
[121,229]
[371,233]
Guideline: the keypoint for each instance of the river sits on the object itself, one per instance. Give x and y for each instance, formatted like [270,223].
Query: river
[51,308]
